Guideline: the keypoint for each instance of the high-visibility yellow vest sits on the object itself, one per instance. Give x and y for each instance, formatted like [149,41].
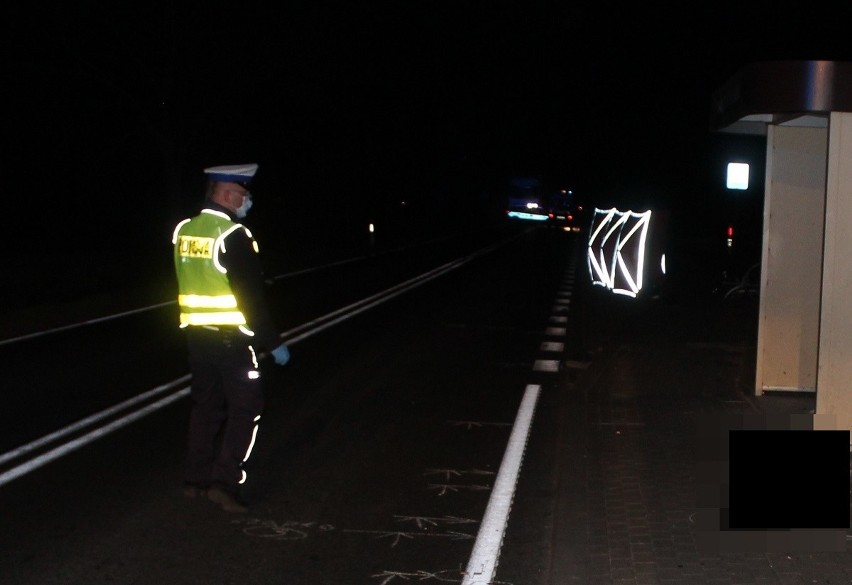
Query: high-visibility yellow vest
[204,292]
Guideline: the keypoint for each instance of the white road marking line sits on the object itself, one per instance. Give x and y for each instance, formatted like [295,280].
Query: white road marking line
[482,565]
[66,448]
[546,366]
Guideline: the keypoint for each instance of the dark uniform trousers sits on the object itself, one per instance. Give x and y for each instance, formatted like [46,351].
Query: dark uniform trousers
[227,405]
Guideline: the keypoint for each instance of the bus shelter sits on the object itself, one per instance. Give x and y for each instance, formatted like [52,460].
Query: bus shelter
[804,108]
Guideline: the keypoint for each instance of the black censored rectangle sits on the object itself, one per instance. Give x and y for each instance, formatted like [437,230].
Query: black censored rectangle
[787,479]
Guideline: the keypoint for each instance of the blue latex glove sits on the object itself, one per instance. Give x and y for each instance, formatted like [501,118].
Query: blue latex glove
[281,354]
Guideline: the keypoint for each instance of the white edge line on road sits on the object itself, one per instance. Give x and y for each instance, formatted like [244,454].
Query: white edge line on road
[482,565]
[24,449]
[349,311]
[66,448]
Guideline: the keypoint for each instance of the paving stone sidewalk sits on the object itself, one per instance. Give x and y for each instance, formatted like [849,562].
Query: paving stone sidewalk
[629,451]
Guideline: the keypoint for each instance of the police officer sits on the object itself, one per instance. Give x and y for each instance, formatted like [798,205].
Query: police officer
[229,327]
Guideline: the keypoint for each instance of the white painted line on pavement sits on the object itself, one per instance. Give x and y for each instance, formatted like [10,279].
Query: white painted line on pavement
[556,346]
[66,448]
[89,420]
[546,366]
[482,565]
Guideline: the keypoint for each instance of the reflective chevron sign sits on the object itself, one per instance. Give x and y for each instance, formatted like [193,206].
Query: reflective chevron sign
[617,252]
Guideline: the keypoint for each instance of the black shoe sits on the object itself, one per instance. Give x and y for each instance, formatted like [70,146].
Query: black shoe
[226,500]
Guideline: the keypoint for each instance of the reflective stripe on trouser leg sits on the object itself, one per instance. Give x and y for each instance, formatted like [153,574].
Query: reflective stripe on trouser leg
[250,447]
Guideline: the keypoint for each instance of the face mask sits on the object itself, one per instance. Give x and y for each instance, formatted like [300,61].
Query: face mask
[243,209]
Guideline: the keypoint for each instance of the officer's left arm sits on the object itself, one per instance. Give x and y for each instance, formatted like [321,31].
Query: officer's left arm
[245,275]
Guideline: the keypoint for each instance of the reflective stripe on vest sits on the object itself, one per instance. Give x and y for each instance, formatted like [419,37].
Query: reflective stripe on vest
[220,318]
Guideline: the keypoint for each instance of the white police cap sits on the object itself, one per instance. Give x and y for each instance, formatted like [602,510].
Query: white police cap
[232,173]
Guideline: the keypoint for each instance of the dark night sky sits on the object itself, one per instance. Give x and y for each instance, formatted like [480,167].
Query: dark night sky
[113,109]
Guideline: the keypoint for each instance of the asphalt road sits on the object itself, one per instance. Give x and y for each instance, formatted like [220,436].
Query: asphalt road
[378,451]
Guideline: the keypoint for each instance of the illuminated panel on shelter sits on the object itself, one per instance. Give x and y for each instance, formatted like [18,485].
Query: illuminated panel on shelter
[617,247]
[737,177]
